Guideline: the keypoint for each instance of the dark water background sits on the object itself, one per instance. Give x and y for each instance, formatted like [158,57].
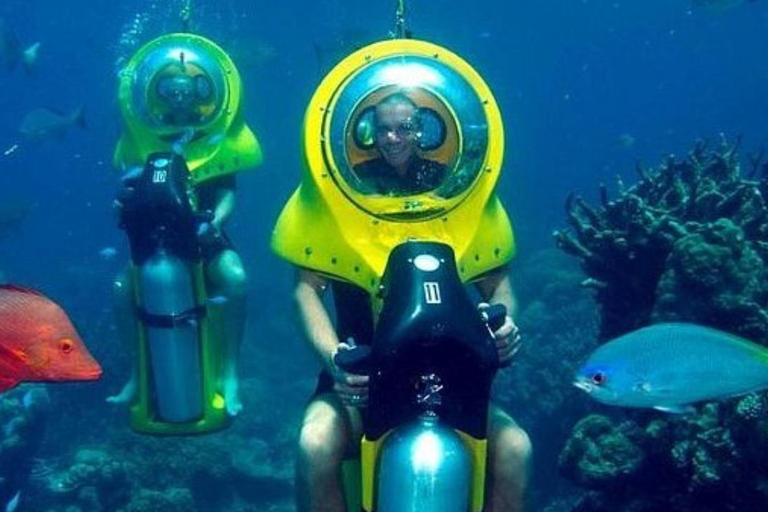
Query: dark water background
[586,88]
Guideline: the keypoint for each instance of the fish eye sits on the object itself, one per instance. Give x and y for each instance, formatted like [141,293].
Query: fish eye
[66,345]
[598,378]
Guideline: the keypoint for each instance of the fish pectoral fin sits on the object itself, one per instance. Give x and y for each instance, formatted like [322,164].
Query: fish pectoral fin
[7,383]
[13,354]
[21,355]
[676,409]
[647,387]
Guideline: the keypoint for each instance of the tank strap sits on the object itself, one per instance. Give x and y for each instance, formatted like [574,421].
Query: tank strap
[170,321]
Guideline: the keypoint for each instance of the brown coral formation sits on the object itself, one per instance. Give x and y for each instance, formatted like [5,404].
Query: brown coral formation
[688,241]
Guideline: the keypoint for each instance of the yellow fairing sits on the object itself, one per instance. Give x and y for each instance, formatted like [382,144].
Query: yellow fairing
[323,227]
[479,450]
[222,145]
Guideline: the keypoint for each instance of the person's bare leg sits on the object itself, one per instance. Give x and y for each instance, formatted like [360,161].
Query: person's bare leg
[329,433]
[509,454]
[125,323]
[228,283]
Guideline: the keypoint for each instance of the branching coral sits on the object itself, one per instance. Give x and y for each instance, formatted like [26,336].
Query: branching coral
[689,226]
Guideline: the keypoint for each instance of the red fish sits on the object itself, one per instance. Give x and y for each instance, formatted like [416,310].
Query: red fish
[38,341]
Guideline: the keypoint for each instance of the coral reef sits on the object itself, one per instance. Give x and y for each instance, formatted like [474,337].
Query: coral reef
[246,468]
[94,480]
[689,243]
[23,421]
[599,455]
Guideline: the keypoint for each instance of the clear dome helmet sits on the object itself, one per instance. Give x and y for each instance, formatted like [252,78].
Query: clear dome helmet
[177,87]
[182,92]
[407,138]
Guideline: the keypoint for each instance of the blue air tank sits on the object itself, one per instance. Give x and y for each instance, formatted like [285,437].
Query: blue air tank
[423,467]
[174,351]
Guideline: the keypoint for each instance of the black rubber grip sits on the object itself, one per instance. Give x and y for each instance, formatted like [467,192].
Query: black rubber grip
[496,316]
[355,360]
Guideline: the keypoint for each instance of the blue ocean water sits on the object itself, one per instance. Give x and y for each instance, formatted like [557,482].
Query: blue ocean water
[587,88]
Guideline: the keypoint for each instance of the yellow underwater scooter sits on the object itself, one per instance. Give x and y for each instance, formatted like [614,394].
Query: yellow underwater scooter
[424,444]
[180,99]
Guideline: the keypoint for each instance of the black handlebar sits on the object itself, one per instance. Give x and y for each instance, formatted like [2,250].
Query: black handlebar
[495,315]
[357,359]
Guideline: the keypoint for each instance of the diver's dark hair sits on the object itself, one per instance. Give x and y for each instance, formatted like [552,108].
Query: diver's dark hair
[400,98]
[396,98]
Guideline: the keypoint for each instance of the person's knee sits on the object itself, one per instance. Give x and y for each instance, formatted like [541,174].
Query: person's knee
[229,275]
[234,274]
[321,440]
[513,447]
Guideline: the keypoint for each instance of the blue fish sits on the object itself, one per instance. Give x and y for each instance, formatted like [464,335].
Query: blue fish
[671,366]
[13,504]
[11,53]
[35,397]
[218,300]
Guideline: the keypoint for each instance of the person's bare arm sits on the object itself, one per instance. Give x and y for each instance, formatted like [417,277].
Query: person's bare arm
[496,288]
[317,327]
[319,331]
[225,205]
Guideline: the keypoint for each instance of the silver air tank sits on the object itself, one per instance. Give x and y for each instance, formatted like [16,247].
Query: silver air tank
[424,467]
[174,352]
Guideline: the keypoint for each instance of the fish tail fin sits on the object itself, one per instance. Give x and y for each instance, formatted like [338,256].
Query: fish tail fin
[29,57]
[78,118]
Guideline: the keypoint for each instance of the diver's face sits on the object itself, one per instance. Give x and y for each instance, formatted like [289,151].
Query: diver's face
[396,133]
[179,92]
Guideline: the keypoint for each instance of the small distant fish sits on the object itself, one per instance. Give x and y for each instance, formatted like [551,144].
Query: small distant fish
[720,5]
[131,174]
[673,365]
[26,400]
[11,53]
[218,300]
[13,504]
[626,141]
[11,149]
[12,215]
[251,54]
[36,396]
[38,341]
[204,228]
[108,253]
[43,123]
